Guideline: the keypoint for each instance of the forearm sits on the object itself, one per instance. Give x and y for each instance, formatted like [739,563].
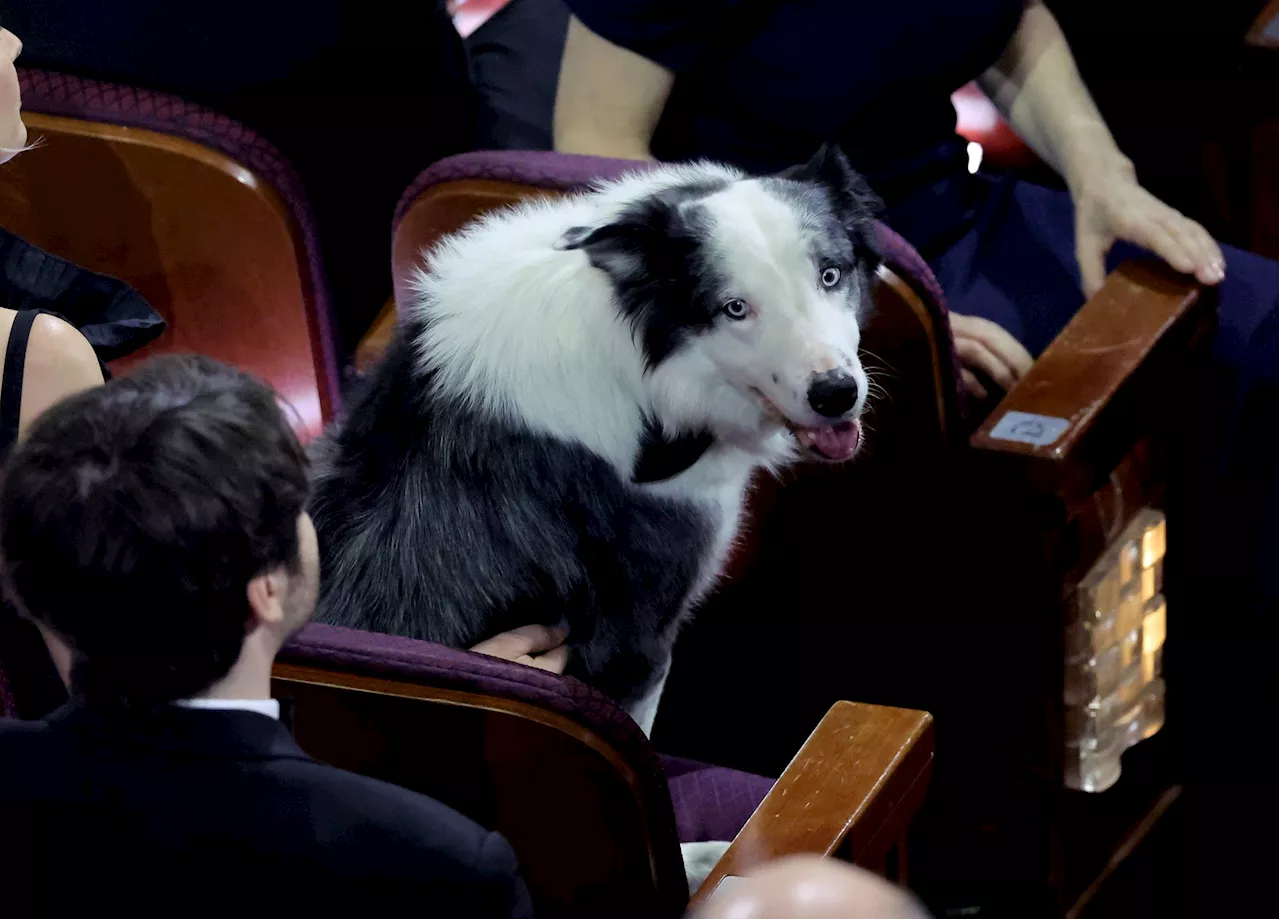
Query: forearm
[1036,86]
[591,142]
[608,100]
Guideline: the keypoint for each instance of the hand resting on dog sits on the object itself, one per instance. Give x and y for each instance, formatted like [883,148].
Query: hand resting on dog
[538,646]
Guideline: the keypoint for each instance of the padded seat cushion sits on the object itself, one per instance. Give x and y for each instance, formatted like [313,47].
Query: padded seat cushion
[712,803]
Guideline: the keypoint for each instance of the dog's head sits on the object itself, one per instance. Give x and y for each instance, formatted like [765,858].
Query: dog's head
[745,296]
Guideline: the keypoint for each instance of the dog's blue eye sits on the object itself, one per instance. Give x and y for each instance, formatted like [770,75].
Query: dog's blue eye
[830,276]
[735,309]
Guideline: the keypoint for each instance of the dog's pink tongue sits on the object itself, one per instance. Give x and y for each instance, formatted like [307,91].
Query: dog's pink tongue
[837,442]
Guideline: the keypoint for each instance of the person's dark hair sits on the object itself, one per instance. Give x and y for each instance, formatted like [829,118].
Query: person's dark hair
[134,516]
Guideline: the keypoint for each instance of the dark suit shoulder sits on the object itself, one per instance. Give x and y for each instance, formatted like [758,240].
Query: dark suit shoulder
[263,812]
[24,747]
[380,804]
[12,726]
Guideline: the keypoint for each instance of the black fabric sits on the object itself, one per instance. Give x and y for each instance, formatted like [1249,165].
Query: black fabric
[110,314]
[33,681]
[515,59]
[762,83]
[515,63]
[875,77]
[219,813]
[360,96]
[15,363]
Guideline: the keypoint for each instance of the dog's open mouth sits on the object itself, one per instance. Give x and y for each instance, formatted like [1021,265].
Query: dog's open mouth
[833,443]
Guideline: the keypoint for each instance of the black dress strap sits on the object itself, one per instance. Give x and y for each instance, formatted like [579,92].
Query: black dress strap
[15,361]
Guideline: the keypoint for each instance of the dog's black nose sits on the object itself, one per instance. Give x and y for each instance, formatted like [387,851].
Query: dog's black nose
[833,394]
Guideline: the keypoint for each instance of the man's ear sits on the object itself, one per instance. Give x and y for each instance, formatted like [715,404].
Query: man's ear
[266,598]
[829,169]
[60,652]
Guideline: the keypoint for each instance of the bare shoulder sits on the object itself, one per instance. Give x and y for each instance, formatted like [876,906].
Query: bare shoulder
[60,363]
[59,356]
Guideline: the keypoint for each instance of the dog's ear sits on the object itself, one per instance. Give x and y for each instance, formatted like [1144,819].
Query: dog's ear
[853,198]
[828,167]
[614,248]
[854,201]
[578,237]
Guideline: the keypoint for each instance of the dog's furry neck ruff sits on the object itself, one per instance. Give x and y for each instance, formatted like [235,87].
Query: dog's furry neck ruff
[662,457]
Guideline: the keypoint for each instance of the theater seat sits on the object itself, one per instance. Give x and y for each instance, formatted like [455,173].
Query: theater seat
[594,815]
[204,217]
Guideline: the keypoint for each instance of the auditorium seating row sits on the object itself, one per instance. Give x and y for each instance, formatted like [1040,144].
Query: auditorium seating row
[997,568]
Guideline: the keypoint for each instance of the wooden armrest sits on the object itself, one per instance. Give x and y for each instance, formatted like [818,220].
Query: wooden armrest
[856,783]
[1082,395]
[375,341]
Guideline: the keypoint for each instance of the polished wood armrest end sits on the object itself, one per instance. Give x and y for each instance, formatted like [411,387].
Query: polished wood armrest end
[852,790]
[1117,363]
[376,341]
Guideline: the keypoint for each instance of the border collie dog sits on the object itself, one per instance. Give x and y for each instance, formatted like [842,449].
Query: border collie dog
[566,424]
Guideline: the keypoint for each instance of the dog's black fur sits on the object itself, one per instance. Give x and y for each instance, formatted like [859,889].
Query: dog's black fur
[439,524]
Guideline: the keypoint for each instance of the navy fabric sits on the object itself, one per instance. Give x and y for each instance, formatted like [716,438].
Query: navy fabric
[809,72]
[1015,263]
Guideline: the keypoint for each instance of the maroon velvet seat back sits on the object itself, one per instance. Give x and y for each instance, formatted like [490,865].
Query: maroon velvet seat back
[551,764]
[205,218]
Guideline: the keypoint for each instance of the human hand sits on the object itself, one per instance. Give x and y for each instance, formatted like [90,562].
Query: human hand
[986,346]
[538,646]
[1111,205]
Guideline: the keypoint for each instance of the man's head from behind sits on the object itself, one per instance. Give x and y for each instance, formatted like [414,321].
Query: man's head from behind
[154,528]
[809,887]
